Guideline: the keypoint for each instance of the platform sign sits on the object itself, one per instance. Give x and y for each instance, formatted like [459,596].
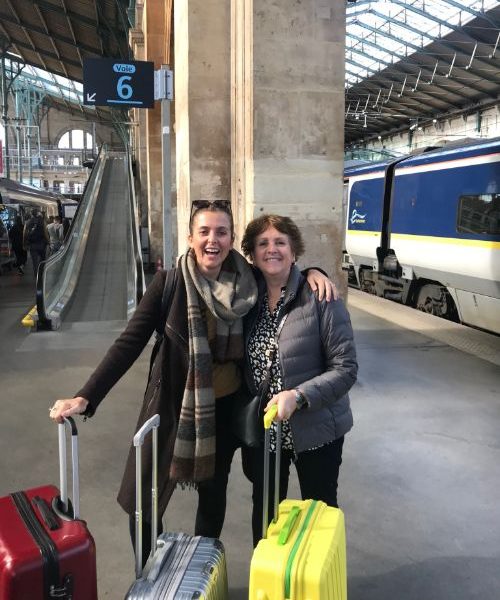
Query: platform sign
[118,83]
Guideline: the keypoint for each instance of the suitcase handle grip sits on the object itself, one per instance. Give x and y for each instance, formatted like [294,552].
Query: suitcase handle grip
[161,558]
[269,416]
[151,424]
[47,513]
[69,422]
[288,526]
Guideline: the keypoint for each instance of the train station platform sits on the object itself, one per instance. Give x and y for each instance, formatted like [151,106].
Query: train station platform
[419,482]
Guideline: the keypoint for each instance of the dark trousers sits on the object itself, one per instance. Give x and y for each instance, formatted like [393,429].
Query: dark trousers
[317,470]
[21,257]
[38,254]
[211,494]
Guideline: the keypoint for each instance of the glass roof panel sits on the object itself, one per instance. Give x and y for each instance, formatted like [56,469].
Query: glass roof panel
[53,85]
[380,31]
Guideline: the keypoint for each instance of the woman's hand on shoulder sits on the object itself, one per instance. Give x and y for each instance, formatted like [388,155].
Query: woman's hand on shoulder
[67,408]
[321,285]
[287,404]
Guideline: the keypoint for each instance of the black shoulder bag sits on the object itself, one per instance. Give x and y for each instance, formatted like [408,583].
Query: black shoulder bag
[166,301]
[248,412]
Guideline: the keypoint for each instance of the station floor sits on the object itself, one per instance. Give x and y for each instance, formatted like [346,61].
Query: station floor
[420,480]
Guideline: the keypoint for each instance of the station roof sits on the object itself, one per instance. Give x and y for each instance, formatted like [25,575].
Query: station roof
[411,61]
[407,61]
[52,37]
[56,35]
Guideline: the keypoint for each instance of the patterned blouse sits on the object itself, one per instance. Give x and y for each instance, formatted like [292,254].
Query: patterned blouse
[259,348]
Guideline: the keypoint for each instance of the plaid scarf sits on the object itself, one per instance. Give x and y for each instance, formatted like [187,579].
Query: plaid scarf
[228,298]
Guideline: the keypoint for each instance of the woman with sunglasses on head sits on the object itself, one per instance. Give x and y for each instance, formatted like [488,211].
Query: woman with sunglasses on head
[195,375]
[311,365]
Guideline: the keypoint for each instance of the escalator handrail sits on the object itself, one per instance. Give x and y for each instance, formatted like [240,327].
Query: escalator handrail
[136,239]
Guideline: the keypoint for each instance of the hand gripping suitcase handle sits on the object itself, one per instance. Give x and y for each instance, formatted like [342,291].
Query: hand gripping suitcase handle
[268,419]
[270,415]
[151,424]
[68,421]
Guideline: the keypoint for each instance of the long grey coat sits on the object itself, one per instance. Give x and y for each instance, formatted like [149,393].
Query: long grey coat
[317,355]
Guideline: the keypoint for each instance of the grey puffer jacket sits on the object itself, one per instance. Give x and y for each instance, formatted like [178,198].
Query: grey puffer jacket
[317,356]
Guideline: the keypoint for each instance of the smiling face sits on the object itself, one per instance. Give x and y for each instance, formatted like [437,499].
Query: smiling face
[211,239]
[273,255]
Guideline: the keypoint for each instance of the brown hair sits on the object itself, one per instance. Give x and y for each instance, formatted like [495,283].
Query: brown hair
[282,224]
[199,206]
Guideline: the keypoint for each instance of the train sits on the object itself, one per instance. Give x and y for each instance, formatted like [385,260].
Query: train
[424,230]
[20,199]
[26,197]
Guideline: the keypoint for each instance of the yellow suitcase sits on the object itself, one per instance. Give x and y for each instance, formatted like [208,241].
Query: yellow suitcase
[302,556]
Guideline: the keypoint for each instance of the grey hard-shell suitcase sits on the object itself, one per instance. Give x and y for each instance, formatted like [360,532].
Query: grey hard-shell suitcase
[181,566]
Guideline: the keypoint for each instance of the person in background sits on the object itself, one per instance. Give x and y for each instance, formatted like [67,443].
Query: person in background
[56,236]
[36,238]
[194,379]
[310,350]
[16,241]
[66,223]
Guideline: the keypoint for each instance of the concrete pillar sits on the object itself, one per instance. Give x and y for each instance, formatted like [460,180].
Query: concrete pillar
[154,46]
[287,118]
[202,104]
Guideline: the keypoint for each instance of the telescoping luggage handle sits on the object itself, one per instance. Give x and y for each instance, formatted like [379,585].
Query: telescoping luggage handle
[152,424]
[68,421]
[268,419]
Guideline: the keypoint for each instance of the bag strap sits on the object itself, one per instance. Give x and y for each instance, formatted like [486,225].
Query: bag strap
[166,300]
[267,375]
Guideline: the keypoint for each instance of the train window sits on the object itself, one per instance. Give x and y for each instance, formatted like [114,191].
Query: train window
[479,213]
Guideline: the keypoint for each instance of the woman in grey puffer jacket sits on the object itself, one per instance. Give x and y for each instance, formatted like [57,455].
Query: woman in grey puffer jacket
[309,345]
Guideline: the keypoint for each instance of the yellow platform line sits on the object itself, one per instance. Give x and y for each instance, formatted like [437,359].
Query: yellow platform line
[30,319]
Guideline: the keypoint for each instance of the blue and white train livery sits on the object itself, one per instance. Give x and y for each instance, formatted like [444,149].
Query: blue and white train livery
[425,230]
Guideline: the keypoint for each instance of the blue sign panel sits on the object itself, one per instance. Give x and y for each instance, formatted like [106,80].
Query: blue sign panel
[119,83]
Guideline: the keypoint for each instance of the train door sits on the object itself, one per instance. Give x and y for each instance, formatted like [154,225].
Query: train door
[7,215]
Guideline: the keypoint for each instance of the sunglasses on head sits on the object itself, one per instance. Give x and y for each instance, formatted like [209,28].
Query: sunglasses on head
[197,205]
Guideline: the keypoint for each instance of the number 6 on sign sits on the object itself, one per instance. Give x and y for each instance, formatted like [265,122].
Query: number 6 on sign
[118,83]
[123,89]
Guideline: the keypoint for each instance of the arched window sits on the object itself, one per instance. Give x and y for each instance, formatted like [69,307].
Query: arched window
[76,139]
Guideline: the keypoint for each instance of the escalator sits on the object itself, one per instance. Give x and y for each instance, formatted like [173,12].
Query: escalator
[98,273]
[101,291]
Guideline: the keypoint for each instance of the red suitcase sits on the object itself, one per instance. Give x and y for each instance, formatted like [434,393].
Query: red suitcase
[46,551]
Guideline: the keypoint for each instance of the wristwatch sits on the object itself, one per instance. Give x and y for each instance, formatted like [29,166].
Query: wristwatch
[300,399]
